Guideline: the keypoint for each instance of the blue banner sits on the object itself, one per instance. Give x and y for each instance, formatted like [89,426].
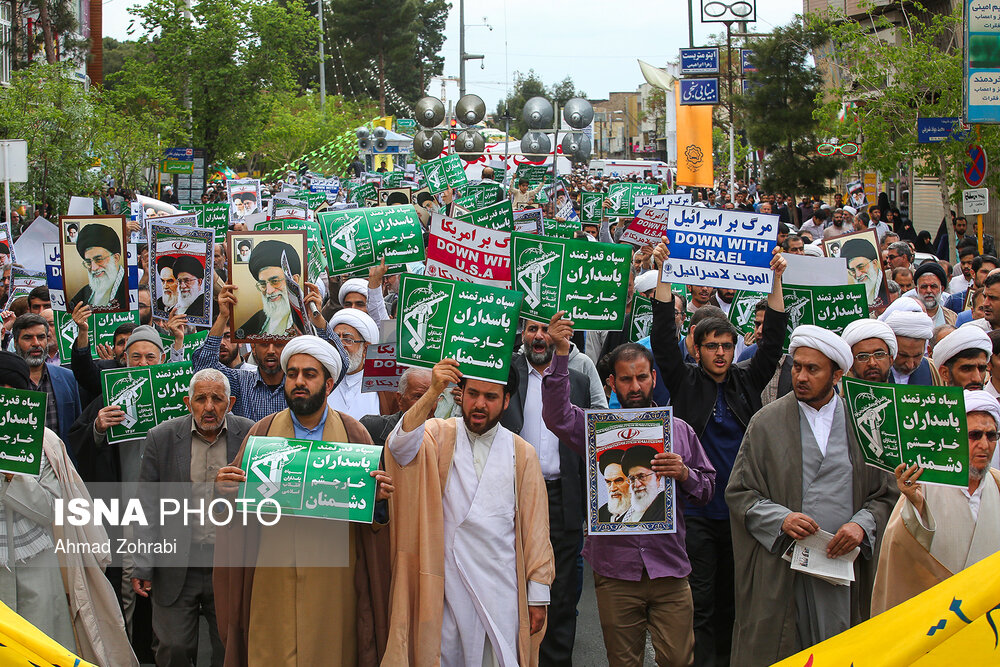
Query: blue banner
[724,249]
[700,61]
[746,61]
[932,130]
[699,91]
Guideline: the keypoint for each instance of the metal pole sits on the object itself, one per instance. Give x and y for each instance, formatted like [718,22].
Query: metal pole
[6,190]
[732,136]
[461,49]
[322,61]
[690,24]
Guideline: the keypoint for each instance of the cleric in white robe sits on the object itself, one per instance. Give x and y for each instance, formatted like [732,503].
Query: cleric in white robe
[936,531]
[799,470]
[356,331]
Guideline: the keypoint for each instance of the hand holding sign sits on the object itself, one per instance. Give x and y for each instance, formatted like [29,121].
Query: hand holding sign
[561,333]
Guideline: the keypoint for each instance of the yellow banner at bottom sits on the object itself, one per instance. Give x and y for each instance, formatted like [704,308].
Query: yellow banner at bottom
[21,643]
[954,623]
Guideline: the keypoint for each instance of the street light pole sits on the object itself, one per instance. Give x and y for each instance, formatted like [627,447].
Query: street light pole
[322,61]
[461,49]
[732,120]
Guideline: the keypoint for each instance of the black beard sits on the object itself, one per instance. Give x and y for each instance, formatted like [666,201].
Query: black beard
[536,359]
[301,407]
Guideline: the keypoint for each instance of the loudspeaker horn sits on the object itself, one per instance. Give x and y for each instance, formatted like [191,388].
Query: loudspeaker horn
[361,132]
[364,143]
[381,144]
[470,110]
[538,113]
[429,111]
[578,113]
[428,144]
[379,132]
[536,143]
[576,146]
[470,144]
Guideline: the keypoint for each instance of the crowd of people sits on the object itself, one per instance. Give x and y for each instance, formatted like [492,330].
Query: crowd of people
[474,555]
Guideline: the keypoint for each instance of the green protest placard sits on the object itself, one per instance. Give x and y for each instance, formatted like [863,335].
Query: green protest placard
[191,342]
[214,217]
[831,308]
[484,193]
[22,429]
[622,196]
[911,424]
[469,202]
[362,193]
[392,180]
[475,325]
[359,238]
[498,217]
[591,207]
[743,310]
[642,317]
[148,395]
[314,199]
[310,478]
[443,173]
[314,242]
[535,173]
[587,280]
[563,229]
[100,330]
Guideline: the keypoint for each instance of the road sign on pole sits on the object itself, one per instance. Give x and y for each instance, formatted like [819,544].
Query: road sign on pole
[975,169]
[976,201]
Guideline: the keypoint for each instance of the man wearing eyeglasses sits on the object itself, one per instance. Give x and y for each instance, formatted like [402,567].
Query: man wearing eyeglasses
[100,249]
[864,266]
[356,331]
[914,556]
[717,398]
[873,344]
[190,279]
[276,317]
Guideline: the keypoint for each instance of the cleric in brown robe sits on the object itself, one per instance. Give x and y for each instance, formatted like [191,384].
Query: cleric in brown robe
[799,470]
[316,591]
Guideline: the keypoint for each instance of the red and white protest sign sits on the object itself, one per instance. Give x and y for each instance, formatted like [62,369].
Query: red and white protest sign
[468,253]
[647,228]
[381,372]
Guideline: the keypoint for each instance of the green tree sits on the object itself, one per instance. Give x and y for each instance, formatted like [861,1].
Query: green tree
[379,40]
[116,54]
[55,39]
[430,22]
[885,75]
[531,85]
[45,107]
[777,113]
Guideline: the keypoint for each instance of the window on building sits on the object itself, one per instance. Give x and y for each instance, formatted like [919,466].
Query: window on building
[5,54]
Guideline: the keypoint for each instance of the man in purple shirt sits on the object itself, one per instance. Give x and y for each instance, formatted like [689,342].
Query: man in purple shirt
[640,580]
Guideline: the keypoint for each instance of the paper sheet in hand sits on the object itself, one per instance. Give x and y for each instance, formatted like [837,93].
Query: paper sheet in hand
[808,556]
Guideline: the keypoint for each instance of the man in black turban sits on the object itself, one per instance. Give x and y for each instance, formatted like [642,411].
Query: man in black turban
[100,247]
[648,488]
[190,276]
[619,499]
[168,283]
[280,313]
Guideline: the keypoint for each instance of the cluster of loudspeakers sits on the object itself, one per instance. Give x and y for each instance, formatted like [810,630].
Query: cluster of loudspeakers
[469,144]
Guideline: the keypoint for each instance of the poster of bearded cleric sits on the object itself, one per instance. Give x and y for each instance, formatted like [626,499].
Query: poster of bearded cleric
[94,264]
[624,495]
[864,264]
[244,198]
[182,280]
[267,271]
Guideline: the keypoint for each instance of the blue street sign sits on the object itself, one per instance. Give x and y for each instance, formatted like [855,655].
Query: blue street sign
[699,91]
[746,61]
[700,61]
[179,154]
[932,130]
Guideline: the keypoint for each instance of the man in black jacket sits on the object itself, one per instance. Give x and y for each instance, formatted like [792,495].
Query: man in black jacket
[717,398]
[565,475]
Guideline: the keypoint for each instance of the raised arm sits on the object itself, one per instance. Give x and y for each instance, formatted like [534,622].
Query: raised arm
[564,419]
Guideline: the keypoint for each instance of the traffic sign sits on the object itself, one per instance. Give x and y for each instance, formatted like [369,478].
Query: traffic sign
[177,167]
[405,124]
[976,201]
[975,169]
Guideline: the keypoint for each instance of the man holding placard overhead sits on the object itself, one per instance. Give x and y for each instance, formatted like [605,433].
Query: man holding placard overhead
[718,399]
[935,531]
[470,533]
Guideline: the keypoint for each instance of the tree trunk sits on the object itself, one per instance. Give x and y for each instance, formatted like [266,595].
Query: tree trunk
[47,37]
[945,195]
[381,83]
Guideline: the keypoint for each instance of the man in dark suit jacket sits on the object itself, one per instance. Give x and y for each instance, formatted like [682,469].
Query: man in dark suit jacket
[565,480]
[186,450]
[413,384]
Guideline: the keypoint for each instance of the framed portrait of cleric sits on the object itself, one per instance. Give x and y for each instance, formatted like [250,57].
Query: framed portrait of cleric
[95,262]
[183,258]
[244,198]
[864,264]
[268,271]
[624,495]
[393,196]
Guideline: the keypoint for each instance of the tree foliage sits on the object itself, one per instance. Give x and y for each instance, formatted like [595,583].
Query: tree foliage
[777,112]
[45,107]
[527,86]
[887,75]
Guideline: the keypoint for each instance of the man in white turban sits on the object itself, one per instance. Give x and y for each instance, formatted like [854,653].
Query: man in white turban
[274,583]
[873,348]
[913,330]
[799,471]
[356,331]
[914,557]
[962,357]
[366,295]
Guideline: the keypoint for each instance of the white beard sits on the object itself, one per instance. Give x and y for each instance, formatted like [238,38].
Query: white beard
[641,500]
[618,506]
[872,282]
[169,299]
[356,361]
[278,314]
[103,286]
[184,301]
